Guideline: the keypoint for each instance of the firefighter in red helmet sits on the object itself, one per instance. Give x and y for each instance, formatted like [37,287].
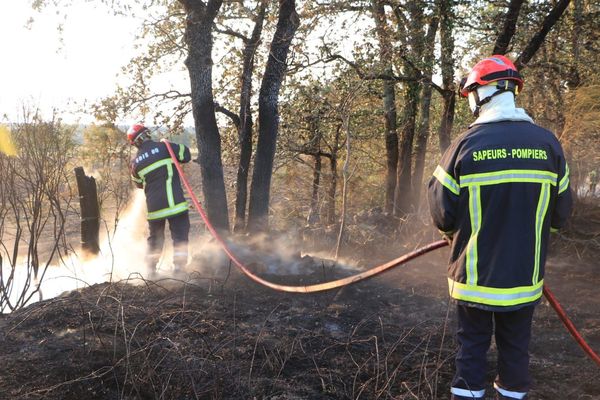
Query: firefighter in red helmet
[152,169]
[497,193]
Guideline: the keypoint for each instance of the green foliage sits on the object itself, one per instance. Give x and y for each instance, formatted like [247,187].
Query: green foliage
[312,122]
[103,144]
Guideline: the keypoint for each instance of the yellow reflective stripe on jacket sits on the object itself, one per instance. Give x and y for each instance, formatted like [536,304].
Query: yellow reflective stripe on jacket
[509,176]
[564,182]
[471,251]
[137,180]
[446,180]
[143,172]
[170,199]
[167,212]
[495,296]
[540,215]
[474,182]
[181,152]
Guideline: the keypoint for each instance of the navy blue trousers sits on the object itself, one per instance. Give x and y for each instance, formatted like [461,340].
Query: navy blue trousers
[512,331]
[179,225]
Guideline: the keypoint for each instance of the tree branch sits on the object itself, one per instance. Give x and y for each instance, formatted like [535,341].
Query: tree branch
[389,77]
[508,30]
[231,32]
[169,95]
[362,75]
[309,152]
[342,6]
[233,116]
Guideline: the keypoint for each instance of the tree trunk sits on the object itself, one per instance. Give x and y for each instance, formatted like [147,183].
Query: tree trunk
[447,67]
[421,145]
[403,197]
[315,138]
[332,190]
[556,116]
[268,115]
[389,104]
[246,123]
[574,79]
[333,184]
[313,214]
[508,30]
[447,122]
[346,177]
[423,131]
[198,35]
[90,212]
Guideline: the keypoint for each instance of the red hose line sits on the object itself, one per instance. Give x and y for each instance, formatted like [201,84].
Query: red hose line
[363,275]
[295,289]
[570,326]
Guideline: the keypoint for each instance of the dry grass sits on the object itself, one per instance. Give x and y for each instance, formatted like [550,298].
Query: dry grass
[176,340]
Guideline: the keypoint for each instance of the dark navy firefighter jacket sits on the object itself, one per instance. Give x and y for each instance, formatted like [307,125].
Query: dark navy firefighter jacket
[153,169]
[499,190]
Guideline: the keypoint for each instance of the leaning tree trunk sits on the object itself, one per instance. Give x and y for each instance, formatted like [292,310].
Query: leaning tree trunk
[268,115]
[246,123]
[403,196]
[538,39]
[198,35]
[389,104]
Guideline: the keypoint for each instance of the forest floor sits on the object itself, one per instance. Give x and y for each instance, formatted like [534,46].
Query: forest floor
[222,336]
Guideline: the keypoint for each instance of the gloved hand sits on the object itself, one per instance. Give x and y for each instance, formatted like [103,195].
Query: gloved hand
[447,236]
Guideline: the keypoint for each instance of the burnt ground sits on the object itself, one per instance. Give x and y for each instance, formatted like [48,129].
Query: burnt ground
[225,337]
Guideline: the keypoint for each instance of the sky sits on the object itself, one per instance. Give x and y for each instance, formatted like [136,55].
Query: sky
[42,67]
[37,69]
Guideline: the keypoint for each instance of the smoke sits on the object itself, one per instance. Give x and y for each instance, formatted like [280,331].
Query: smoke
[273,254]
[122,256]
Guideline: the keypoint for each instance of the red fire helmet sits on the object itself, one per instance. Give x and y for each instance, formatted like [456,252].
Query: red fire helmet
[488,70]
[134,132]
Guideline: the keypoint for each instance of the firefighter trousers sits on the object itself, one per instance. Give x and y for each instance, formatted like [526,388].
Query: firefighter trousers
[512,332]
[179,225]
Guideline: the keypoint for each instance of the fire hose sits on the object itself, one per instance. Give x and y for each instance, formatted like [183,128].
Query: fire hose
[363,275]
